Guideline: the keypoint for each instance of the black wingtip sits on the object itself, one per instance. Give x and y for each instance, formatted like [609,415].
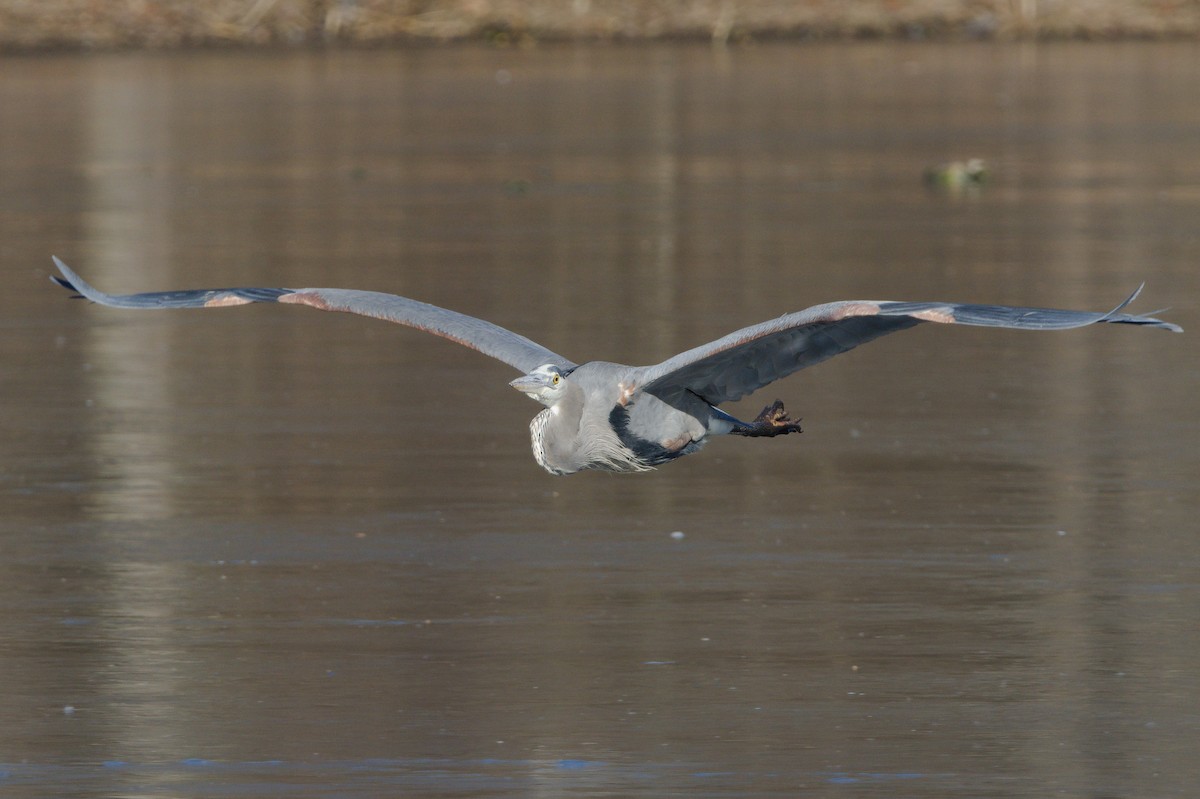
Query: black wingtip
[68,285]
[1147,319]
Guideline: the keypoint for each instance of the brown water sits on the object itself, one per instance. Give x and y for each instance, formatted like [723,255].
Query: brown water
[270,552]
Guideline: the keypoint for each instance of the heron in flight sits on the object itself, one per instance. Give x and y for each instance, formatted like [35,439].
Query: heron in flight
[621,418]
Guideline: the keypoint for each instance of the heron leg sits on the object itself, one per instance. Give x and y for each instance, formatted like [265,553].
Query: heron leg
[773,421]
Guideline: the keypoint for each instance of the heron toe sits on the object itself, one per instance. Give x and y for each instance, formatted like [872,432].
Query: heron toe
[773,421]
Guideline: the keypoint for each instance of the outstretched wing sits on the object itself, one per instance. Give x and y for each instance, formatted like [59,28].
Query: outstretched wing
[469,331]
[732,367]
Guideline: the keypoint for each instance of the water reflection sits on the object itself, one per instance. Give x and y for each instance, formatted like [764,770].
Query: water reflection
[300,554]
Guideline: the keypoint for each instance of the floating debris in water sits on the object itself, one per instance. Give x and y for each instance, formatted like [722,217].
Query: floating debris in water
[957,174]
[517,186]
[678,535]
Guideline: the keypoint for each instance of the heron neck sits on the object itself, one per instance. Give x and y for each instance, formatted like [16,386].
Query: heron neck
[554,434]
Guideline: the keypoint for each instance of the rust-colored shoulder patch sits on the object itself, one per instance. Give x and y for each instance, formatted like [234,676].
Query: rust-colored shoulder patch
[223,300]
[943,316]
[855,309]
[306,298]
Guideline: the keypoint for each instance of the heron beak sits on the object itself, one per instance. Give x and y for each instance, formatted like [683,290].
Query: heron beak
[528,384]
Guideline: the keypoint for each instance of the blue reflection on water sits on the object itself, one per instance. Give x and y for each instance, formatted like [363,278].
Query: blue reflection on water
[202,777]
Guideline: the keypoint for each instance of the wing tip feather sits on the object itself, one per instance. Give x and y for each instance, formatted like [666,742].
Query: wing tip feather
[1149,319]
[70,280]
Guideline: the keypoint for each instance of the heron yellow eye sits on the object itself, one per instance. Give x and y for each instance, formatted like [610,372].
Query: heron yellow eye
[554,382]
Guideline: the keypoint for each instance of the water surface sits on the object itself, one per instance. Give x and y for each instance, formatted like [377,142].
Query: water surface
[270,552]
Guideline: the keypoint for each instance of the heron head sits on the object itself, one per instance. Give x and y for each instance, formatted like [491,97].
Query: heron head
[546,384]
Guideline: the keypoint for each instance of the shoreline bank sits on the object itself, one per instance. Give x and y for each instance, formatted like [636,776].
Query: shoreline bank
[38,25]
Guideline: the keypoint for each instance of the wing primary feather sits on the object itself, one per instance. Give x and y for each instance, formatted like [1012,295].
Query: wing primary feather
[1021,318]
[203,298]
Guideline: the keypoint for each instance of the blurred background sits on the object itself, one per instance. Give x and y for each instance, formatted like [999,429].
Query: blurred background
[266,551]
[170,23]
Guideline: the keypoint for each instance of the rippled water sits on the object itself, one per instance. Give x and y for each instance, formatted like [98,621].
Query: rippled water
[270,552]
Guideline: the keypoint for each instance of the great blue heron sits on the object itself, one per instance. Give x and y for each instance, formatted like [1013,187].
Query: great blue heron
[631,418]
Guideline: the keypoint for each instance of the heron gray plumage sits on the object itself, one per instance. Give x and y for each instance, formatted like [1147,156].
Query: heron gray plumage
[614,417]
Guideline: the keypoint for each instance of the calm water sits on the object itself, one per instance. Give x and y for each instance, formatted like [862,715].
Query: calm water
[269,552]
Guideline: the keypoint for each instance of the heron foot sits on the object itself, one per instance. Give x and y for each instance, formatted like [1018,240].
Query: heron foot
[773,421]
